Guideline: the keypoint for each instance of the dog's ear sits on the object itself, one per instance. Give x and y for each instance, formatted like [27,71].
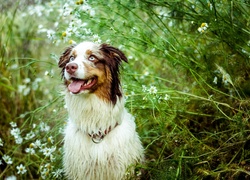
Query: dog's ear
[64,59]
[113,58]
[113,53]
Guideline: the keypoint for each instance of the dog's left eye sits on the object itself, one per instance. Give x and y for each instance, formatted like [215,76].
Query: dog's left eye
[71,58]
[92,58]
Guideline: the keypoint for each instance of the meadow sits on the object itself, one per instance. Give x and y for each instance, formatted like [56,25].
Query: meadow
[187,82]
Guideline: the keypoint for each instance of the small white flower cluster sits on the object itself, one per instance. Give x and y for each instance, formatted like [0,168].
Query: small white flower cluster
[27,86]
[44,127]
[152,90]
[48,152]
[210,5]
[203,27]
[46,169]
[15,131]
[43,149]
[226,78]
[70,14]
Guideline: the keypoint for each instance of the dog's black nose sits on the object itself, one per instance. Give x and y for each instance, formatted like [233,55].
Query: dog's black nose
[71,68]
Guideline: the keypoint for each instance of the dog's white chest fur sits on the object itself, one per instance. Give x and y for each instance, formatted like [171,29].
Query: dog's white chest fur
[109,159]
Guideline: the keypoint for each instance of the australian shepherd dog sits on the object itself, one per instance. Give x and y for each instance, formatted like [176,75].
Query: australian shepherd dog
[100,141]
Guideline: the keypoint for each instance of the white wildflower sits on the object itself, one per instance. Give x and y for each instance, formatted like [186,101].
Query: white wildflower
[14,66]
[92,12]
[37,143]
[21,88]
[34,126]
[44,173]
[130,57]
[30,151]
[170,24]
[21,169]
[144,88]
[152,90]
[167,97]
[17,135]
[146,73]
[44,127]
[25,90]
[13,124]
[215,81]
[88,31]
[51,34]
[58,173]
[19,140]
[46,73]
[26,80]
[7,159]
[50,140]
[15,132]
[11,178]
[72,42]
[210,5]
[1,142]
[22,115]
[225,76]
[203,27]
[48,151]
[30,135]
[96,38]
[35,84]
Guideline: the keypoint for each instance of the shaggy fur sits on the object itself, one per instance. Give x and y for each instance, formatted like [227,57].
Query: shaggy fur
[100,138]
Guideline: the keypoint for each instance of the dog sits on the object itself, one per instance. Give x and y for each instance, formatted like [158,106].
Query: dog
[100,141]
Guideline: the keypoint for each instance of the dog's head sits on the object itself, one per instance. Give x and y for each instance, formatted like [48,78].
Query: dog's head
[92,68]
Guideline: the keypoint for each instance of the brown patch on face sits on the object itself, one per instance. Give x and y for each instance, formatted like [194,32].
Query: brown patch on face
[103,75]
[113,58]
[74,53]
[89,52]
[103,90]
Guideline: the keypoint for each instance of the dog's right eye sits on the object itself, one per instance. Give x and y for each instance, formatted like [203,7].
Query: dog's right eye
[71,58]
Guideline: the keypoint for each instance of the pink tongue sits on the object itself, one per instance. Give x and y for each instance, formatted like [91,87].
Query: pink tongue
[75,86]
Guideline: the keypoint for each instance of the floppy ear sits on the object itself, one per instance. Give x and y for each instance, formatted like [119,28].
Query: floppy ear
[113,58]
[64,59]
[113,53]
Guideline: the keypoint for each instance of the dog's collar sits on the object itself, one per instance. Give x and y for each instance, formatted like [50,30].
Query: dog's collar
[98,137]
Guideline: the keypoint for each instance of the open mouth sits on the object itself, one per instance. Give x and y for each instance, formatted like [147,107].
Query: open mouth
[78,85]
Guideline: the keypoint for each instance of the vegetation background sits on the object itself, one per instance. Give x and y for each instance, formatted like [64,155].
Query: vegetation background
[187,82]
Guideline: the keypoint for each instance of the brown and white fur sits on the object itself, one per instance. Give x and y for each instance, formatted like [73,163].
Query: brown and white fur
[100,138]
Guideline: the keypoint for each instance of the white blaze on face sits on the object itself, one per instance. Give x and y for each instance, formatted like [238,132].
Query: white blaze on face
[82,57]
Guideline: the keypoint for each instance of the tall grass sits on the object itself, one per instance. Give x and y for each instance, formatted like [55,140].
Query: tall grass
[187,83]
[29,146]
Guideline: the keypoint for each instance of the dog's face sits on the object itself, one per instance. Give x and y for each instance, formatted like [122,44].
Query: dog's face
[92,68]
